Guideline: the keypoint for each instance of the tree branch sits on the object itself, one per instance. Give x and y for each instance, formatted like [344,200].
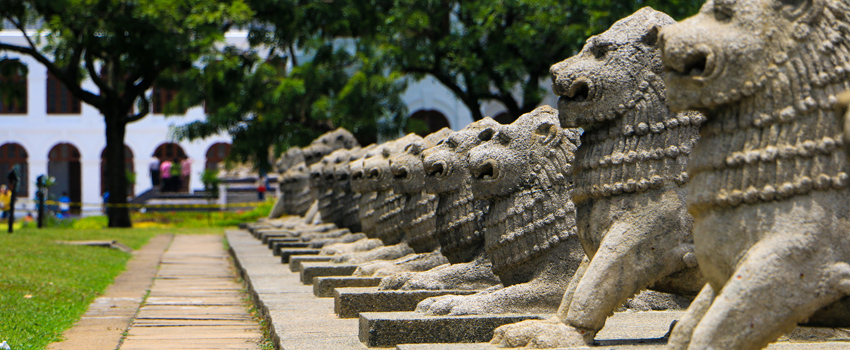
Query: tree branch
[145,109]
[72,86]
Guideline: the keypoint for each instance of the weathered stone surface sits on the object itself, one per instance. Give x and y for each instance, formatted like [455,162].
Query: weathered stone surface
[629,182]
[309,270]
[419,213]
[408,263]
[286,253]
[356,246]
[277,247]
[344,239]
[474,275]
[323,287]
[523,170]
[282,238]
[769,175]
[296,260]
[350,302]
[458,218]
[842,109]
[346,200]
[383,329]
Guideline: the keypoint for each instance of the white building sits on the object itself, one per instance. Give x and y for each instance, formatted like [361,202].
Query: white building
[56,135]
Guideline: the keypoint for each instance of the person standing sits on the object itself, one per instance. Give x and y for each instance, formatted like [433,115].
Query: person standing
[185,171]
[5,200]
[64,205]
[154,169]
[176,183]
[261,189]
[165,174]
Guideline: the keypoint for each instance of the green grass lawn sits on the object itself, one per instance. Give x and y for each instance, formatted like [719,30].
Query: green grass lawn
[45,287]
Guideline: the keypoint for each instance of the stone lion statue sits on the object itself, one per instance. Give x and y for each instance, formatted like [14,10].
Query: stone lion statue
[386,207]
[630,184]
[327,143]
[523,169]
[769,184]
[459,218]
[418,217]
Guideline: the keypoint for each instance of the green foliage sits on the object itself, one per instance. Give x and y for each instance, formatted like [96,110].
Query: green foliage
[211,183]
[123,47]
[485,50]
[264,101]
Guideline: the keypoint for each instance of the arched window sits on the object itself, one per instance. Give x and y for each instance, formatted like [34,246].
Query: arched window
[64,165]
[128,166]
[424,122]
[216,154]
[12,154]
[59,98]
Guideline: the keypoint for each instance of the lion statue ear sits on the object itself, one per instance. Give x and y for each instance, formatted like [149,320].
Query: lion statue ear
[801,11]
[547,132]
[650,38]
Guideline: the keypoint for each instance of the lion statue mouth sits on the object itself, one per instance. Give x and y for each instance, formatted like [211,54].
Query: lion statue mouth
[580,90]
[700,63]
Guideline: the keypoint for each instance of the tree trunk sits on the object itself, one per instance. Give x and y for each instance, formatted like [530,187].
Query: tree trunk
[116,179]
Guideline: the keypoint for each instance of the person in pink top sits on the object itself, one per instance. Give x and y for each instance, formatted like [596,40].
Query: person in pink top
[185,171]
[165,172]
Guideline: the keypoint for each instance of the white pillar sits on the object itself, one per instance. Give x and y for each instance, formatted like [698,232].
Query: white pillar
[90,178]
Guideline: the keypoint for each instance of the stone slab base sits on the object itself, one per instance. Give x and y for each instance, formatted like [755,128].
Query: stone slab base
[323,287]
[278,246]
[350,302]
[385,329]
[262,233]
[266,236]
[271,239]
[286,253]
[321,269]
[296,260]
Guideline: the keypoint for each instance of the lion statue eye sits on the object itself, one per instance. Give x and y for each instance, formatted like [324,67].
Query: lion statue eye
[723,10]
[600,50]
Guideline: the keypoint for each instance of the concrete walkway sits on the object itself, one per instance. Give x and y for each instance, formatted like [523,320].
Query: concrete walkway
[195,302]
[104,323]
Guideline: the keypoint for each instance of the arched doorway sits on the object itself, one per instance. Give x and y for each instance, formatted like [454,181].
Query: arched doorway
[424,122]
[173,152]
[216,154]
[64,165]
[128,166]
[12,154]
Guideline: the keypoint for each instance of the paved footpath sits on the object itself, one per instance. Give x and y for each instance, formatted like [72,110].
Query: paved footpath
[195,302]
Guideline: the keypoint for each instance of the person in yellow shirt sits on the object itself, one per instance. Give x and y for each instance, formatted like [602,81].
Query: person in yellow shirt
[5,200]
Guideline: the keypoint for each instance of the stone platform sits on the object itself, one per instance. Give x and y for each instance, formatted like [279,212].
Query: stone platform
[350,302]
[296,260]
[286,253]
[323,287]
[300,321]
[383,329]
[310,270]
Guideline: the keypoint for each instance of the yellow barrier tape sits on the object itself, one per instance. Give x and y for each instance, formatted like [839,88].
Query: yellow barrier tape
[132,205]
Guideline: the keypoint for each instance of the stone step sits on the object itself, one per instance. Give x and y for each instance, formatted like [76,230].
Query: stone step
[296,260]
[323,287]
[386,329]
[286,253]
[319,269]
[277,247]
[350,302]
[268,239]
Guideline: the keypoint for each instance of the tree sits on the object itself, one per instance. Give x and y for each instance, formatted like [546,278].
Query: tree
[272,97]
[481,50]
[123,46]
